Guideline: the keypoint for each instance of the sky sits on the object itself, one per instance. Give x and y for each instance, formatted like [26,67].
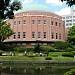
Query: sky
[56,6]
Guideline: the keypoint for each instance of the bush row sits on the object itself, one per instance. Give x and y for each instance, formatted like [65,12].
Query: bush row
[68,54]
[48,58]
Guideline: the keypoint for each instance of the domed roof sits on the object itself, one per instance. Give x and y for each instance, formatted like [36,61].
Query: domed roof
[36,7]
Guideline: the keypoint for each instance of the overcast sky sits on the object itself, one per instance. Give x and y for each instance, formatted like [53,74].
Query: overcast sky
[56,6]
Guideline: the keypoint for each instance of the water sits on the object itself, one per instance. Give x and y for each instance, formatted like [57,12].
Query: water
[33,70]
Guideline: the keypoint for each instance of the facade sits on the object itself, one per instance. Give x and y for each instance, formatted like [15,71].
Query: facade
[31,26]
[69,19]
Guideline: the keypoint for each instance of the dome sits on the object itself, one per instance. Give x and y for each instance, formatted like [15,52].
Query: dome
[35,7]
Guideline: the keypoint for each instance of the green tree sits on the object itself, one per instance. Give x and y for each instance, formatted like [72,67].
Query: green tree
[5,30]
[7,8]
[61,45]
[69,2]
[71,35]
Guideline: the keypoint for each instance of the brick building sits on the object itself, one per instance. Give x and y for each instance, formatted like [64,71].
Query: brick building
[33,25]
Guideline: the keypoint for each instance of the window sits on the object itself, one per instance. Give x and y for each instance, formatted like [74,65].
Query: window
[44,21]
[33,21]
[59,24]
[33,34]
[56,35]
[18,22]
[18,34]
[63,17]
[39,21]
[24,34]
[39,34]
[56,23]
[44,34]
[52,23]
[14,36]
[24,22]
[14,22]
[68,20]
[52,35]
[59,36]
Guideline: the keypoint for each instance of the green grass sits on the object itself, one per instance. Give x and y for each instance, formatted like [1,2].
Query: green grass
[58,58]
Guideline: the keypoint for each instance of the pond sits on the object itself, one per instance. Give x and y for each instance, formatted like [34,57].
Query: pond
[33,70]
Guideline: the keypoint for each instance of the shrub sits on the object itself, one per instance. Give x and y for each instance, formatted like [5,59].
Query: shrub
[47,48]
[48,58]
[71,72]
[69,49]
[73,52]
[61,45]
[1,52]
[68,54]
[29,49]
[20,49]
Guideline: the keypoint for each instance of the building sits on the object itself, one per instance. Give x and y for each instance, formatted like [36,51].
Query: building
[69,19]
[36,23]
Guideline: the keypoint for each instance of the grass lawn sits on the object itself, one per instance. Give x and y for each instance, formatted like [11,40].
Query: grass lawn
[56,57]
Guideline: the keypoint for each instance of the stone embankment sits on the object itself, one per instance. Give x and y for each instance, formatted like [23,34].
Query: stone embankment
[37,62]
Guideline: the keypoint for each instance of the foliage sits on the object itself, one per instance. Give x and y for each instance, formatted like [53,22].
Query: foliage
[60,45]
[68,54]
[69,49]
[1,52]
[29,49]
[7,8]
[5,30]
[73,52]
[71,72]
[53,55]
[36,48]
[20,49]
[71,35]
[69,2]
[47,48]
[48,58]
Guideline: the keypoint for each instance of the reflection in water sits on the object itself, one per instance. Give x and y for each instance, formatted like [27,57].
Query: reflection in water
[34,70]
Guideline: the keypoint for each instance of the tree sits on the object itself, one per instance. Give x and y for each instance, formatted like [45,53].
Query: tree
[69,2]
[60,45]
[71,35]
[5,30]
[7,8]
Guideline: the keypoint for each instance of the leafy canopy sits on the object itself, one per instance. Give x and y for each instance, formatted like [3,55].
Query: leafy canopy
[71,35]
[7,8]
[69,2]
[5,30]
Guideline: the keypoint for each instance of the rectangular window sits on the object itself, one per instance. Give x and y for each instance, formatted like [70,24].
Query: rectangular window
[44,21]
[59,36]
[33,21]
[56,35]
[56,23]
[24,34]
[59,24]
[39,34]
[44,34]
[52,35]
[14,22]
[18,34]
[15,36]
[24,22]
[33,34]
[39,21]
[52,23]
[18,22]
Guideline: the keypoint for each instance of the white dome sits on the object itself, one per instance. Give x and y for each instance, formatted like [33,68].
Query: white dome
[35,7]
